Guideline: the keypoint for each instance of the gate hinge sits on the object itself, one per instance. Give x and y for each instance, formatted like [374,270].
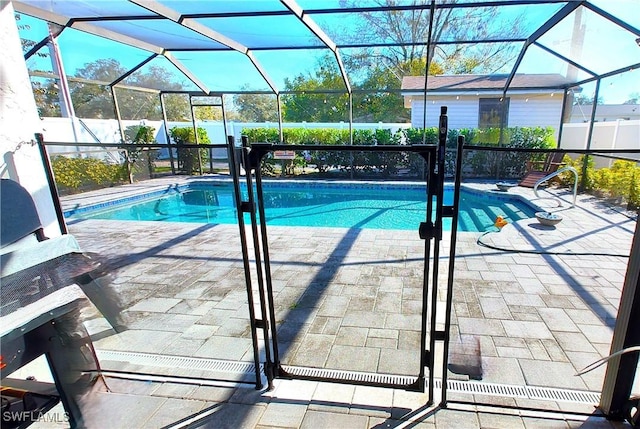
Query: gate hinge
[262,324]
[426,230]
[447,211]
[439,335]
[246,207]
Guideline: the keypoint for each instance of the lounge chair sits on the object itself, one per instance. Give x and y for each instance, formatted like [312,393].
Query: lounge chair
[537,170]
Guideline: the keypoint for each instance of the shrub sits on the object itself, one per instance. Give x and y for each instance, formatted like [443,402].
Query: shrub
[189,159]
[620,182]
[74,174]
[589,181]
[506,164]
[142,135]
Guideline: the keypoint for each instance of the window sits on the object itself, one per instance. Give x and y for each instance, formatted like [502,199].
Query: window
[493,112]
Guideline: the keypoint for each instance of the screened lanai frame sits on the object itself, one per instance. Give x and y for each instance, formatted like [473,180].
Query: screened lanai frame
[214,29]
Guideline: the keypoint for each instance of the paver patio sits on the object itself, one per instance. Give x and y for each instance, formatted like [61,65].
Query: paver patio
[351,299]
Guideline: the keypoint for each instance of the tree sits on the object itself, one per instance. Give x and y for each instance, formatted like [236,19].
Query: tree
[377,104]
[634,98]
[308,103]
[47,97]
[177,107]
[256,107]
[376,97]
[190,160]
[382,102]
[410,28]
[94,100]
[586,100]
[376,73]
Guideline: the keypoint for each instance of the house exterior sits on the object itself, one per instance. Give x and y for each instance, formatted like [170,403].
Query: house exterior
[476,101]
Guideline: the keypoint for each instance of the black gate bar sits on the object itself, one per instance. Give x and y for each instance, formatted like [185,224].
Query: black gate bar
[437,190]
[240,209]
[427,230]
[452,255]
[51,182]
[273,367]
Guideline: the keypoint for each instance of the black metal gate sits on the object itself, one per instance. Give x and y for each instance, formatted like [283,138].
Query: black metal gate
[261,301]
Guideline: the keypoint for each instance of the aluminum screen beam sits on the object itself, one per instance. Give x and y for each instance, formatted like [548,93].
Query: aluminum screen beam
[440,6]
[551,22]
[621,371]
[612,18]
[262,71]
[194,25]
[199,28]
[133,70]
[320,34]
[188,73]
[117,37]
[40,13]
[632,67]
[49,75]
[43,42]
[565,59]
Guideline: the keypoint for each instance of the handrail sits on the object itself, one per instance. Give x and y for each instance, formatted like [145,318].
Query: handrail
[554,174]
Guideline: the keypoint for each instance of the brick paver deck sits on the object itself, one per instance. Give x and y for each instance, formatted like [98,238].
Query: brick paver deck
[540,301]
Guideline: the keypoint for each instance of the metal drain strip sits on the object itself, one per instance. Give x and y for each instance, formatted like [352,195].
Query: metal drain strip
[547,393]
[178,362]
[459,386]
[525,392]
[353,376]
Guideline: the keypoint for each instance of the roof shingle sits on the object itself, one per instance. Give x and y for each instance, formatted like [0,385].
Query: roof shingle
[483,82]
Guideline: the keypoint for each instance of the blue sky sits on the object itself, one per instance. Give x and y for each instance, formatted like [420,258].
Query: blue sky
[606,47]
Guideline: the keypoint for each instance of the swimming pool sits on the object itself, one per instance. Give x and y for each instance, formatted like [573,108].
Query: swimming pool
[320,204]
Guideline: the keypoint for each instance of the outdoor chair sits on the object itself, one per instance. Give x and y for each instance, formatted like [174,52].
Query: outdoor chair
[46,286]
[537,170]
[33,266]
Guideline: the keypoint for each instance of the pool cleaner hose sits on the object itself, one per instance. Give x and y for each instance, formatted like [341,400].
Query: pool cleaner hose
[480,242]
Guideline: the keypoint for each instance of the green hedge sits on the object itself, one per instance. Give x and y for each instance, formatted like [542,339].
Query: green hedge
[478,163]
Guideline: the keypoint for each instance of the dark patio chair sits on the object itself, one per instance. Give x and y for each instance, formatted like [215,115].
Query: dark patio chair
[33,266]
[537,170]
[19,215]
[45,284]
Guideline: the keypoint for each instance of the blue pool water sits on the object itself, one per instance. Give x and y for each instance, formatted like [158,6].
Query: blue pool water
[373,206]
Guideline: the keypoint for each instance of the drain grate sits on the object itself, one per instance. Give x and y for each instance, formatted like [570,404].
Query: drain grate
[480,388]
[526,392]
[353,376]
[563,395]
[460,386]
[178,362]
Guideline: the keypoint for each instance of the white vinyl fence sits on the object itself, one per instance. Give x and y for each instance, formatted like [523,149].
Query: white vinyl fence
[106,131]
[606,135]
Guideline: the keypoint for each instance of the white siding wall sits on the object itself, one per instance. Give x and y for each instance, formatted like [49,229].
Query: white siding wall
[537,112]
[463,112]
